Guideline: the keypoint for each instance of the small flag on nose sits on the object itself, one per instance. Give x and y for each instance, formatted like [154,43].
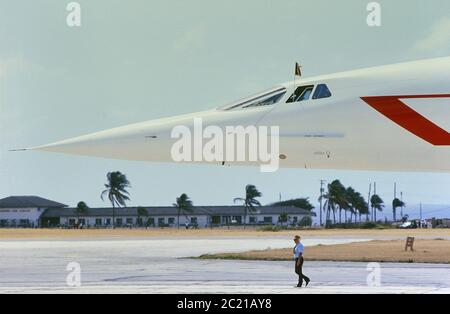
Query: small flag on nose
[298,71]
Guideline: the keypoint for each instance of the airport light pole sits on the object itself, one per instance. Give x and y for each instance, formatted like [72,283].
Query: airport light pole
[395,196]
[322,182]
[401,208]
[368,201]
[420,222]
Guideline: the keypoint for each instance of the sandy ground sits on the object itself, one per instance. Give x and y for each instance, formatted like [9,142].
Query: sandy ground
[6,234]
[159,265]
[425,251]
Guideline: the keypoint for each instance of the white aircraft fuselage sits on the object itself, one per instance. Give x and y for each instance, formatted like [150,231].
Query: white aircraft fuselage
[390,118]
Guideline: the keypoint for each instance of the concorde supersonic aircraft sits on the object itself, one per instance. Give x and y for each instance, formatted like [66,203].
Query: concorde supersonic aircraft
[390,118]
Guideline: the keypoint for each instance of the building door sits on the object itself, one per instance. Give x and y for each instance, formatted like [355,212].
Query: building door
[215,220]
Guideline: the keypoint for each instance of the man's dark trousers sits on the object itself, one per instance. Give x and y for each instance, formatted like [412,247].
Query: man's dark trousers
[299,271]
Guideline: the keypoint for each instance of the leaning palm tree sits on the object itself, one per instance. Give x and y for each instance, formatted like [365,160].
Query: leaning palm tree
[116,190]
[361,206]
[341,197]
[184,206]
[396,203]
[377,204]
[334,197]
[352,200]
[251,193]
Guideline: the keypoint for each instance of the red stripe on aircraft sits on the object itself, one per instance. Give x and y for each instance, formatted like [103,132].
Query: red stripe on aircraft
[396,110]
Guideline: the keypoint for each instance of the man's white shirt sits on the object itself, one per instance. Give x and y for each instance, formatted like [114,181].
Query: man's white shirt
[299,248]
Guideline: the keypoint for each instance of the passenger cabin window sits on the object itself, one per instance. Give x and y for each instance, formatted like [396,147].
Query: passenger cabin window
[266,98]
[301,94]
[322,91]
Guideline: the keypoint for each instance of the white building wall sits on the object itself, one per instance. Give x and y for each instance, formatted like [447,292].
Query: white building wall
[260,218]
[202,220]
[17,214]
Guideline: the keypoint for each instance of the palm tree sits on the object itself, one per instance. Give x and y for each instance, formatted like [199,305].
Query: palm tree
[141,212]
[396,203]
[341,197]
[334,198]
[251,193]
[116,190]
[377,204]
[81,209]
[184,206]
[356,203]
[361,206]
[329,205]
[302,203]
[352,200]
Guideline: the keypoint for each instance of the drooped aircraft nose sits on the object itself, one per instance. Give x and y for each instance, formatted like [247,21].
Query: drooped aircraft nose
[144,141]
[147,141]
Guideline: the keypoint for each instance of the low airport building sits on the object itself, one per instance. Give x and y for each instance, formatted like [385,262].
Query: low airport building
[199,216]
[24,211]
[33,211]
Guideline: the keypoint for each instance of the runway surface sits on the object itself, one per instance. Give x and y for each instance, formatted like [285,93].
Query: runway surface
[160,266]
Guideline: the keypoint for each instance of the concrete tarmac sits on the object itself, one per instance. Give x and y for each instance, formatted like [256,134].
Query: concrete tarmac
[161,266]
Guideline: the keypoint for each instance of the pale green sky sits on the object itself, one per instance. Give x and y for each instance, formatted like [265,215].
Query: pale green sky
[138,60]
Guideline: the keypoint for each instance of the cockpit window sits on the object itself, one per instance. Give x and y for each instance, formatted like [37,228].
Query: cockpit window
[322,91]
[302,93]
[267,98]
[267,102]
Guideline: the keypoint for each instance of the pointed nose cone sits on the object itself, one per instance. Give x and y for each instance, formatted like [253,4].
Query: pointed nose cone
[145,141]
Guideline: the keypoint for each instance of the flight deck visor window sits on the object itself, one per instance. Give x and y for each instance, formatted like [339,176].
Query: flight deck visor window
[266,102]
[322,91]
[266,98]
[301,94]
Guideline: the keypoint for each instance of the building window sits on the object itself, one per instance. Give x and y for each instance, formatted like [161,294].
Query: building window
[139,221]
[295,219]
[129,221]
[301,94]
[108,221]
[171,221]
[161,221]
[72,222]
[151,222]
[253,220]
[119,222]
[237,220]
[322,91]
[226,220]
[268,219]
[98,222]
[194,220]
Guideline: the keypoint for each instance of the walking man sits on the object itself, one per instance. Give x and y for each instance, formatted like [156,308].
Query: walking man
[298,256]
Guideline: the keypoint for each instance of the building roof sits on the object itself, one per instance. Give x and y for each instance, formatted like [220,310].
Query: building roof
[172,211]
[28,202]
[267,210]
